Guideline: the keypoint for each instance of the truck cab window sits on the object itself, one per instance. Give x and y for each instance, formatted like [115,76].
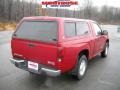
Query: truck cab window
[82,28]
[97,29]
[69,29]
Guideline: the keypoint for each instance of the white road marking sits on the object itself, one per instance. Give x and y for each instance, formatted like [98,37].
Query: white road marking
[106,82]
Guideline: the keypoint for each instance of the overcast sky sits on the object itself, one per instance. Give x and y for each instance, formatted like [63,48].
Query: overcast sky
[114,3]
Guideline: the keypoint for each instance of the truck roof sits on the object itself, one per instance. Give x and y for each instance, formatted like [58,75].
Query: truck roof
[55,18]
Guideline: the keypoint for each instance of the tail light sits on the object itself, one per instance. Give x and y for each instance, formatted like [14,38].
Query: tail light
[18,56]
[60,54]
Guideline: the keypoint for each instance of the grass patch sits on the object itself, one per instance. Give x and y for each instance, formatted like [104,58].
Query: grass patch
[7,26]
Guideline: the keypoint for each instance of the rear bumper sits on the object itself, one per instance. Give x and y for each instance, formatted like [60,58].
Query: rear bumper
[23,64]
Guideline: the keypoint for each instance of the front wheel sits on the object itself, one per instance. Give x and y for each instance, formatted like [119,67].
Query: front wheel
[104,53]
[81,67]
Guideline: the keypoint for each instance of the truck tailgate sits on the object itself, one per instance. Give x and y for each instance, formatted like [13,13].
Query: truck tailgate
[38,52]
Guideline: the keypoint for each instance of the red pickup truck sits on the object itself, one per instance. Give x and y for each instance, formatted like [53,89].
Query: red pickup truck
[55,45]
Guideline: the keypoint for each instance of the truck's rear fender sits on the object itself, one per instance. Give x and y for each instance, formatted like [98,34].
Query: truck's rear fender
[84,49]
[71,53]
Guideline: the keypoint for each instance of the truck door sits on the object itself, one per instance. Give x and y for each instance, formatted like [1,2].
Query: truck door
[99,39]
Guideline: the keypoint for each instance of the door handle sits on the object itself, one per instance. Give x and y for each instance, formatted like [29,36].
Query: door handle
[31,45]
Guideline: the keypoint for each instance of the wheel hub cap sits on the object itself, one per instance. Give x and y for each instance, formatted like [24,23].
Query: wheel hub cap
[82,67]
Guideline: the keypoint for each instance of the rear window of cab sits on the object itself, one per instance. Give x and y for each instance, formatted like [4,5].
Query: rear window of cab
[45,31]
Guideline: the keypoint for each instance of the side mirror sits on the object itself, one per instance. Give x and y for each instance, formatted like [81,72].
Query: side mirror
[104,32]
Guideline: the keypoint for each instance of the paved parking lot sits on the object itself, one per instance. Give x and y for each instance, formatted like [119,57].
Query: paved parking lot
[102,74]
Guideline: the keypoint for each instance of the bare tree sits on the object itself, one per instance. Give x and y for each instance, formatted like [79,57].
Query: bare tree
[10,3]
[17,9]
[87,8]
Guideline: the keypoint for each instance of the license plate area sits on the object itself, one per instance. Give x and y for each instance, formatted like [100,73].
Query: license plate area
[33,65]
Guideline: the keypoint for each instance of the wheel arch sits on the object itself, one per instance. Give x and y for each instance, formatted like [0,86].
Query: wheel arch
[85,52]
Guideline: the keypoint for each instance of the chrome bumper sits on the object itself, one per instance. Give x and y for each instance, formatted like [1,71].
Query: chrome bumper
[22,64]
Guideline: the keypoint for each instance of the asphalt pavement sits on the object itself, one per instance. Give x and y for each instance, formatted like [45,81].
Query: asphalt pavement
[102,73]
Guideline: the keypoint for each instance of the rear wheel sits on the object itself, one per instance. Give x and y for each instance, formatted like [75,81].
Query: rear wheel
[81,67]
[104,53]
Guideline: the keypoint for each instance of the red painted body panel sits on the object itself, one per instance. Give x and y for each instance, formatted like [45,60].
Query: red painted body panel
[40,53]
[48,53]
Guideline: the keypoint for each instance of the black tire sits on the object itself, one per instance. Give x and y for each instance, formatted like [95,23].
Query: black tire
[104,53]
[82,61]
